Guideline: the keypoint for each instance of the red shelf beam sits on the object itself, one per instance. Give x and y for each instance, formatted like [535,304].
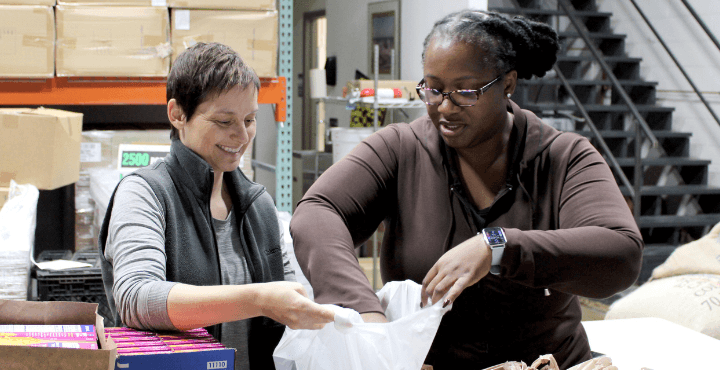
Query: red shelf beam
[116,91]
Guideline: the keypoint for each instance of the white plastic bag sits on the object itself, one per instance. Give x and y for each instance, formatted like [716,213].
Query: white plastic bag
[17,238]
[349,343]
[284,218]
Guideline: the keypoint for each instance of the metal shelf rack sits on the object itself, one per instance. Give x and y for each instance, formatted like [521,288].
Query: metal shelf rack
[132,101]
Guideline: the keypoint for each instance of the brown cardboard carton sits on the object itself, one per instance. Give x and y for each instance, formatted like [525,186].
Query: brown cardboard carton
[406,86]
[254,35]
[28,2]
[27,41]
[121,41]
[224,4]
[162,3]
[55,313]
[4,192]
[103,358]
[40,147]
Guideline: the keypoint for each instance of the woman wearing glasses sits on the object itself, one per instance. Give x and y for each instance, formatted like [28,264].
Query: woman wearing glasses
[486,206]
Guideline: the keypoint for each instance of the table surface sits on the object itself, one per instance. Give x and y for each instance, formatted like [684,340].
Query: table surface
[652,343]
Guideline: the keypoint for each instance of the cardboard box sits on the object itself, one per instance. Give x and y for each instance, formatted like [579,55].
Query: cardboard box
[253,35]
[406,86]
[224,4]
[4,192]
[44,313]
[161,3]
[122,41]
[58,312]
[27,41]
[40,147]
[28,2]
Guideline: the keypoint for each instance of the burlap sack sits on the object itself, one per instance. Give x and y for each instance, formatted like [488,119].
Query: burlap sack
[701,256]
[692,301]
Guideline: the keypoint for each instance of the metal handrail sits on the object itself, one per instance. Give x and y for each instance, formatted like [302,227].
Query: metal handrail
[677,63]
[701,23]
[608,71]
[596,132]
[634,192]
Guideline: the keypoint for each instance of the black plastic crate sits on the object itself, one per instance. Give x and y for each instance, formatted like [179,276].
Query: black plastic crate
[91,257]
[78,284]
[51,255]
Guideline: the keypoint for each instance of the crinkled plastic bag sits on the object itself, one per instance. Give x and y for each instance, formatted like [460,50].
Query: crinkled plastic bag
[349,343]
[17,237]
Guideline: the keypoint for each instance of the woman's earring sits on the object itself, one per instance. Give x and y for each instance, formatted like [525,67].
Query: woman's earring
[508,95]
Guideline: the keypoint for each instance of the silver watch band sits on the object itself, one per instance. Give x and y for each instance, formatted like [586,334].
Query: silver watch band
[497,253]
[495,238]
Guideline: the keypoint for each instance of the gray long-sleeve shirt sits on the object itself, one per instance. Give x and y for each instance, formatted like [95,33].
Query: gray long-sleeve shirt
[136,248]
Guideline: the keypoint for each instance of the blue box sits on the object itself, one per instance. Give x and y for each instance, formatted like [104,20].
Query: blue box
[220,359]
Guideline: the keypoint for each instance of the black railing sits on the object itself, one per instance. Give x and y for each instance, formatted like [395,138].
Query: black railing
[641,127]
[672,56]
[701,23]
[589,122]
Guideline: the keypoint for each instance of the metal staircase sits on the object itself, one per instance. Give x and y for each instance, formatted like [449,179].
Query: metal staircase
[595,89]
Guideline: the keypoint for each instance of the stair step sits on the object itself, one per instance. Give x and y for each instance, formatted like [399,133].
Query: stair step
[606,58]
[614,134]
[597,107]
[674,190]
[654,255]
[551,12]
[664,161]
[678,221]
[581,82]
[592,35]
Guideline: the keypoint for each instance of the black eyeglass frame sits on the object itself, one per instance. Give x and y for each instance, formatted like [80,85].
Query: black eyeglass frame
[449,93]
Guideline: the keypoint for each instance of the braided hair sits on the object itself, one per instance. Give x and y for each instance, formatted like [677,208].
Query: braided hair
[519,44]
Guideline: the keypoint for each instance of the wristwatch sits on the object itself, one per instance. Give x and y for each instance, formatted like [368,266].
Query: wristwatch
[495,239]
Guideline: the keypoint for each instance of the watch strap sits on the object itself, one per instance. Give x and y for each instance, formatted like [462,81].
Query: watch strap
[497,247]
[497,253]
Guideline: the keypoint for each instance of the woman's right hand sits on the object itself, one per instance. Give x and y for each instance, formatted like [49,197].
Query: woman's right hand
[288,303]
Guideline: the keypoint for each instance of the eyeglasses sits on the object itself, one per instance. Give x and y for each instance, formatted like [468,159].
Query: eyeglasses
[461,98]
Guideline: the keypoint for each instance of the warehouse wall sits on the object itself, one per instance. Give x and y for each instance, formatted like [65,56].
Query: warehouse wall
[695,52]
[348,40]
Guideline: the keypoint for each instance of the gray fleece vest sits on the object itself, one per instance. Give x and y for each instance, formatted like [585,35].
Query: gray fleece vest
[182,181]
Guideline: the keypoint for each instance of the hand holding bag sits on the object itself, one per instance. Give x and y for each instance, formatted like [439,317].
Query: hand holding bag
[349,343]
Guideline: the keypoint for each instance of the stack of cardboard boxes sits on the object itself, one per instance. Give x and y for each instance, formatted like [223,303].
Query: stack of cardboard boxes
[27,39]
[39,147]
[106,357]
[41,39]
[250,27]
[129,38]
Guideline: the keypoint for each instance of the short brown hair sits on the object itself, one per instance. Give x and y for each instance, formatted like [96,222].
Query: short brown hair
[205,70]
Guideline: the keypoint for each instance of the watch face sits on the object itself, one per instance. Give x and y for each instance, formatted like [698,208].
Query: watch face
[495,236]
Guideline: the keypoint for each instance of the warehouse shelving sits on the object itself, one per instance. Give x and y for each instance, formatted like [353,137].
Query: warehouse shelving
[139,102]
[68,91]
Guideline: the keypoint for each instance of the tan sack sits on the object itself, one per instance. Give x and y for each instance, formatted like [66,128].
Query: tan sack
[701,256]
[692,301]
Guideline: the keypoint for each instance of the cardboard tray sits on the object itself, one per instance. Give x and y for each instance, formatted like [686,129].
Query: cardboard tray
[105,358]
[54,313]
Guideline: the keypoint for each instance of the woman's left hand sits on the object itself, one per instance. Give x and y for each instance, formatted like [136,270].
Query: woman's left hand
[456,270]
